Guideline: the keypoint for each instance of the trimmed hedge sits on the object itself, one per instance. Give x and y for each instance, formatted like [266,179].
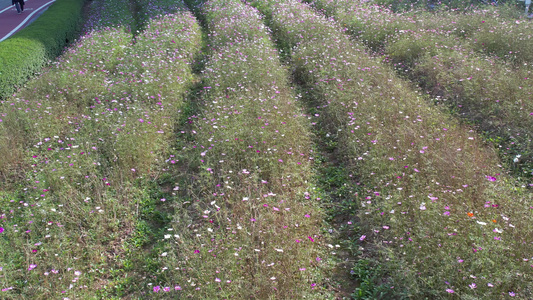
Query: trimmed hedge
[30,49]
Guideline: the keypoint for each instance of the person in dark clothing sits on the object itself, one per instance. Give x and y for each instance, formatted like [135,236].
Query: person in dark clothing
[19,5]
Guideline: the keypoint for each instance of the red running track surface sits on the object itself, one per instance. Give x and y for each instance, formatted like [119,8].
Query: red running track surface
[11,22]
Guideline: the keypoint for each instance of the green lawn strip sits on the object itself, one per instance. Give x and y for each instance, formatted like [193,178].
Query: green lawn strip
[91,150]
[250,227]
[486,91]
[432,194]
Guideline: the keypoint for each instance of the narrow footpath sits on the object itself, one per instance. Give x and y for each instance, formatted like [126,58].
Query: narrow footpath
[11,22]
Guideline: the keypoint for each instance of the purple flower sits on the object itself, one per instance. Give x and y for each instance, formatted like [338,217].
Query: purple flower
[2,229]
[156,289]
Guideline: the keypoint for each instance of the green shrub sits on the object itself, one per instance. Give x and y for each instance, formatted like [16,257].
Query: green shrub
[28,51]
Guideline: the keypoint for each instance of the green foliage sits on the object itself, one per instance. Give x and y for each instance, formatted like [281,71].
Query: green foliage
[334,176]
[142,234]
[369,275]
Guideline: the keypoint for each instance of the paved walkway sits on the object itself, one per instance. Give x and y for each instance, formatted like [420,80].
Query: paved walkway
[11,22]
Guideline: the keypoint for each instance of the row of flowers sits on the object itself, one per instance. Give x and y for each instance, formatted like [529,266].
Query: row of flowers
[442,53]
[489,30]
[85,131]
[252,230]
[432,197]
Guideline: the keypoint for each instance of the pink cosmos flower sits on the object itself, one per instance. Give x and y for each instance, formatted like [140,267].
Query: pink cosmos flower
[490,178]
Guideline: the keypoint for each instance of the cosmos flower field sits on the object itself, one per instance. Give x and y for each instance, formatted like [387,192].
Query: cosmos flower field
[272,149]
